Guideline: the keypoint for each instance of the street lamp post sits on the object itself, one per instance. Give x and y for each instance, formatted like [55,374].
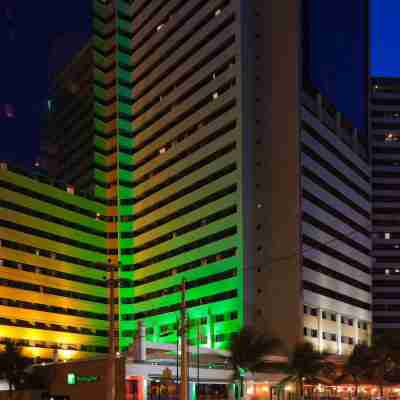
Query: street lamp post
[111,335]
[198,360]
[184,356]
[112,283]
[177,354]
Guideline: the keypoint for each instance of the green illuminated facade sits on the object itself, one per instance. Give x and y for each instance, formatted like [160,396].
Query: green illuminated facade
[165,161]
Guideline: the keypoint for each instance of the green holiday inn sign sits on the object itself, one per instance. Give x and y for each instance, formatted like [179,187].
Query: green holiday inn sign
[74,379]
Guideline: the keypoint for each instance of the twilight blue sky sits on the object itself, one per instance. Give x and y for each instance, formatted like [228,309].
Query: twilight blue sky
[28,29]
[385,43]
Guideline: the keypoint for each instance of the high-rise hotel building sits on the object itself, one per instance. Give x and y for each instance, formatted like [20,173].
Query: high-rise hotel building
[385,144]
[204,157]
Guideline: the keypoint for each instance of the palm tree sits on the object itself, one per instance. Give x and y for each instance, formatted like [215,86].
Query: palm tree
[307,364]
[248,351]
[12,365]
[357,365]
[385,359]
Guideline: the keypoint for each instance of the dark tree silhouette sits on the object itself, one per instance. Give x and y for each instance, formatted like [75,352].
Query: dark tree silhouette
[357,365]
[249,349]
[307,364]
[13,365]
[385,359]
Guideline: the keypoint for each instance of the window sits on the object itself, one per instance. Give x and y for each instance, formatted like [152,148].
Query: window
[203,340]
[314,332]
[217,12]
[350,322]
[333,337]
[305,331]
[233,315]
[314,312]
[351,340]
[387,235]
[391,137]
[323,315]
[324,335]
[219,338]
[305,309]
[219,318]
[333,317]
[149,331]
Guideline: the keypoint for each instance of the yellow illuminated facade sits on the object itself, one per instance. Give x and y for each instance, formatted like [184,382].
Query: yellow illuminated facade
[53,295]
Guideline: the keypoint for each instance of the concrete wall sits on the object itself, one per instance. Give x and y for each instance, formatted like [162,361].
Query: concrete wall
[22,395]
[99,390]
[278,276]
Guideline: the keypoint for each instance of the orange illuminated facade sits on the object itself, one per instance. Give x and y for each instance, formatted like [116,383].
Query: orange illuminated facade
[53,283]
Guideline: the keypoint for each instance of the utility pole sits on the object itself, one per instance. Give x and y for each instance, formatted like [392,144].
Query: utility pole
[183,392]
[198,360]
[111,333]
[177,356]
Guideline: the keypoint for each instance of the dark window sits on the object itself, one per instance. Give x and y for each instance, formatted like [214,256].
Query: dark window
[314,333]
[219,318]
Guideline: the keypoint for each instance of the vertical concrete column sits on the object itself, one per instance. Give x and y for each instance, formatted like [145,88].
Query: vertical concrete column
[192,391]
[143,389]
[231,391]
[320,328]
[210,331]
[141,354]
[357,333]
[339,333]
